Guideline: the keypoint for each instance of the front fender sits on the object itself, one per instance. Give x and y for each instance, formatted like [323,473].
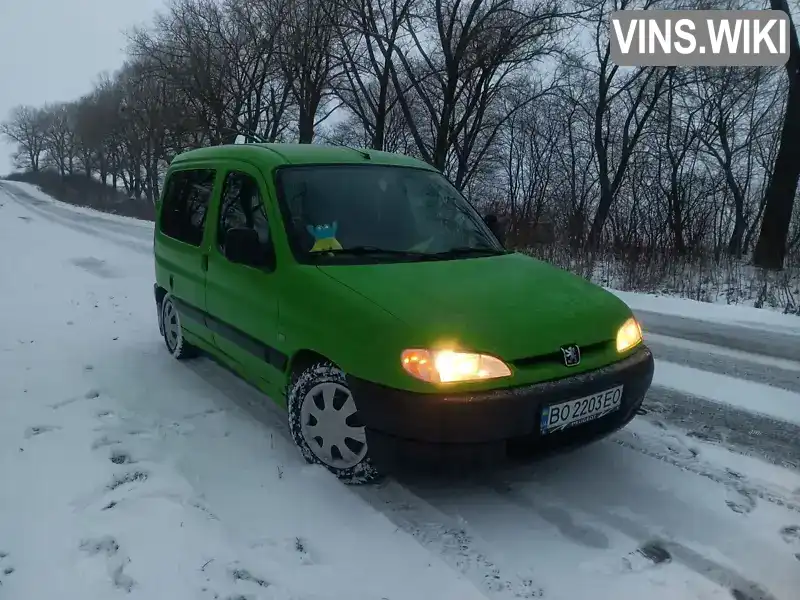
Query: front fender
[331,319]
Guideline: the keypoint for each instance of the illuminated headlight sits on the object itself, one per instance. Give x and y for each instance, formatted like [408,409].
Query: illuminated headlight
[629,335]
[449,366]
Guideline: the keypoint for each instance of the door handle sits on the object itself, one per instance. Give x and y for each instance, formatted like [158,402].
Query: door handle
[204,262]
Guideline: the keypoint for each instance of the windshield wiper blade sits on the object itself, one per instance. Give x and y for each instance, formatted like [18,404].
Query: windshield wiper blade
[469,251]
[364,250]
[376,250]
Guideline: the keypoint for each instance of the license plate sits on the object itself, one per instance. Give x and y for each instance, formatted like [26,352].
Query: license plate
[581,410]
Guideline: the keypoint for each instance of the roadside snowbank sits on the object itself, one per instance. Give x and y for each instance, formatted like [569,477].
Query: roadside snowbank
[35,192]
[731,314]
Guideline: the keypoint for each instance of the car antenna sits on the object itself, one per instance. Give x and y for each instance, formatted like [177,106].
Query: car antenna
[363,153]
[255,137]
[249,135]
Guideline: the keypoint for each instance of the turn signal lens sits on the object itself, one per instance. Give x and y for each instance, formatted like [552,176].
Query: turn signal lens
[629,335]
[449,366]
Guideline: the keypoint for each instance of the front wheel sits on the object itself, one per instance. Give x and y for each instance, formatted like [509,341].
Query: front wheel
[324,423]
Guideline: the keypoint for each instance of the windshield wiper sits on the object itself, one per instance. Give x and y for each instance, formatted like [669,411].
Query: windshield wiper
[378,251]
[366,250]
[468,251]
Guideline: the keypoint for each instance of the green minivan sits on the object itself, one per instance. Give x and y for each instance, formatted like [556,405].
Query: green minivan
[362,292]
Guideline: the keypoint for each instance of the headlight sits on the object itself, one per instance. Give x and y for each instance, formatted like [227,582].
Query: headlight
[629,335]
[447,366]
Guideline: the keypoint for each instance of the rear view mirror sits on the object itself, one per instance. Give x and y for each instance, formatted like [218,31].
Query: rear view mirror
[243,246]
[496,228]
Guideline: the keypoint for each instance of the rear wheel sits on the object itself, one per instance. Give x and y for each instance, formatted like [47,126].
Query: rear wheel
[172,330]
[324,423]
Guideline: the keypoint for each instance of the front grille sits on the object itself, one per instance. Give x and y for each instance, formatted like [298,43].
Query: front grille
[557,358]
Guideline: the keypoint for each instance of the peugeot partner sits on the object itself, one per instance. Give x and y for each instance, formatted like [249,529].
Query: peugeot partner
[362,292]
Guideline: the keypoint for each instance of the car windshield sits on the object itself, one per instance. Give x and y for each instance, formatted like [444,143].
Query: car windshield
[385,213]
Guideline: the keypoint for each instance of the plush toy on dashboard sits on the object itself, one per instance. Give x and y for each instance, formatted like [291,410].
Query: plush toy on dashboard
[325,237]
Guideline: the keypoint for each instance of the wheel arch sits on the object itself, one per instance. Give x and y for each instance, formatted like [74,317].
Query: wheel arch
[363,471]
[160,293]
[301,360]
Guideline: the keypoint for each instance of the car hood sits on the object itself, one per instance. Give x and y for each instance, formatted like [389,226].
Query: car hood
[511,305]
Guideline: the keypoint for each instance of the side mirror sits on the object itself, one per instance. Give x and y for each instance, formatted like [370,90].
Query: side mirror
[496,228]
[243,246]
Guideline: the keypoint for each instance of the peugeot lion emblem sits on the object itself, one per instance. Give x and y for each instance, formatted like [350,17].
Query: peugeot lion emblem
[572,355]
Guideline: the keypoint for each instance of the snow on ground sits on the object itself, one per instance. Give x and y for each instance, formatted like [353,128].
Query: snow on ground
[122,471]
[33,191]
[129,474]
[763,399]
[731,314]
[701,347]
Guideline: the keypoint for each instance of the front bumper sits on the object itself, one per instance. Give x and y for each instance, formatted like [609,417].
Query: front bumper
[486,426]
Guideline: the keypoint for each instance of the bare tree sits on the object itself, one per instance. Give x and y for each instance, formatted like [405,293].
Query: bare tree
[771,248]
[625,103]
[369,33]
[480,47]
[26,127]
[59,137]
[677,151]
[308,60]
[730,129]
[186,49]
[266,100]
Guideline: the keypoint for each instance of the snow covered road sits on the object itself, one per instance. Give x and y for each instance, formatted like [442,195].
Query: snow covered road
[126,474]
[764,339]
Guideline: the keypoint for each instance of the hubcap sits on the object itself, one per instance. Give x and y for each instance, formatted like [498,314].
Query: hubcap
[330,426]
[172,325]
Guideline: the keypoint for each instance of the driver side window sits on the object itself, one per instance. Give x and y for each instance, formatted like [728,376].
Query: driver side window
[242,206]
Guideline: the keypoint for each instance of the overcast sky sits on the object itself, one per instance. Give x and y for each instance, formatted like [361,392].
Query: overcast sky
[52,50]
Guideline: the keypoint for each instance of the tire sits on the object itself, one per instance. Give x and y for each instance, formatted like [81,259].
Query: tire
[318,398]
[172,330]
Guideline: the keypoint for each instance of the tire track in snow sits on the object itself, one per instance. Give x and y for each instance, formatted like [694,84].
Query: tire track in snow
[654,551]
[736,429]
[129,226]
[140,247]
[121,236]
[686,460]
[439,533]
[459,547]
[463,549]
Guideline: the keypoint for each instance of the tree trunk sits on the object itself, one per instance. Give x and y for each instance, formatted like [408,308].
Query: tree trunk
[771,247]
[305,126]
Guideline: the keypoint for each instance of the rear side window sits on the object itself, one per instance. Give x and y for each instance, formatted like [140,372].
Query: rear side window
[183,214]
[243,206]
